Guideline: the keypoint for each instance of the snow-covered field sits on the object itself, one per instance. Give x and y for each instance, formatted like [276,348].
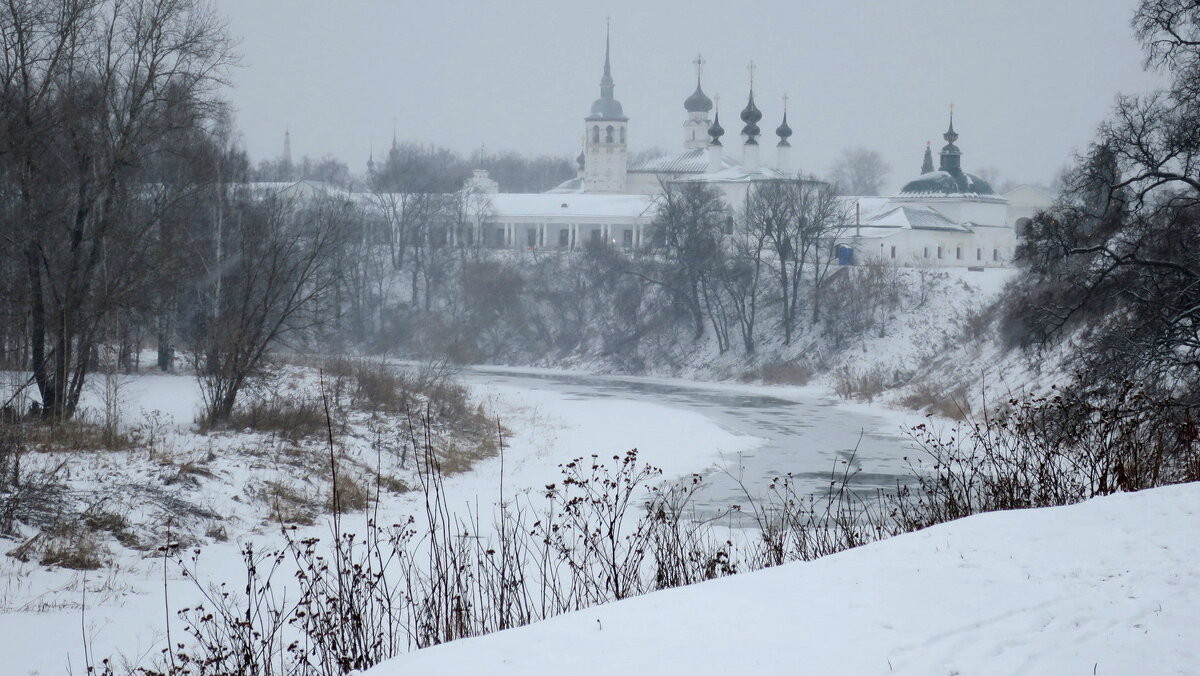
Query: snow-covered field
[1110,586]
[45,613]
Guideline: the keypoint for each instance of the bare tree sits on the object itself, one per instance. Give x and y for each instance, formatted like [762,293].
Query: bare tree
[89,89]
[859,171]
[687,228]
[277,256]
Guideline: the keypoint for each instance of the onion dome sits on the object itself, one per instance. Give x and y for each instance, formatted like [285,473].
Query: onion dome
[698,102]
[579,160]
[751,115]
[716,131]
[784,131]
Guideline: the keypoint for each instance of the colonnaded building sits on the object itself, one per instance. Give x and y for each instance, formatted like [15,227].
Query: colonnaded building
[943,217]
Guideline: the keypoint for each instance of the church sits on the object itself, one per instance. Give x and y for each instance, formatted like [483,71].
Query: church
[943,217]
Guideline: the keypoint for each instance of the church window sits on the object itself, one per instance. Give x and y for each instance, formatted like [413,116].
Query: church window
[979,254]
[927,252]
[608,134]
[622,134]
[596,134]
[958,252]
[893,252]
[995,254]
[939,253]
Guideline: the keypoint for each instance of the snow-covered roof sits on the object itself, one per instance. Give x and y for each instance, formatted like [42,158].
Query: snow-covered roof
[694,161]
[737,174]
[914,218]
[557,205]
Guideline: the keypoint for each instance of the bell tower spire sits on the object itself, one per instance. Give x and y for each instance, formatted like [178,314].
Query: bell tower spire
[605,153]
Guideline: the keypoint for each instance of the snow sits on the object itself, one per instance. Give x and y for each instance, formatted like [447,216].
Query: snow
[1110,586]
[42,615]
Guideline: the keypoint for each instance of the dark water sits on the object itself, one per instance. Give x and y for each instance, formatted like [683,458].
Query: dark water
[814,439]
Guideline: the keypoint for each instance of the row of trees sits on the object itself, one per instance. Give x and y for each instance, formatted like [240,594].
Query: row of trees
[124,207]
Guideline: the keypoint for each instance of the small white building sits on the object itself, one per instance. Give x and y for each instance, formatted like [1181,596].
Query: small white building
[944,217]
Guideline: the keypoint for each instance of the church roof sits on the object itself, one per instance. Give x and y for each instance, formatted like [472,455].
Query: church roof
[945,183]
[914,218]
[694,161]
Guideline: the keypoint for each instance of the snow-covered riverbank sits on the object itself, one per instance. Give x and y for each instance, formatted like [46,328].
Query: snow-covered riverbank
[1110,586]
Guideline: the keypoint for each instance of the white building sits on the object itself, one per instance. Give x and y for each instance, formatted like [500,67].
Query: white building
[944,217]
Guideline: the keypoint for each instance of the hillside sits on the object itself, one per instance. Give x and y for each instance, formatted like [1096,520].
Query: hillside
[1109,586]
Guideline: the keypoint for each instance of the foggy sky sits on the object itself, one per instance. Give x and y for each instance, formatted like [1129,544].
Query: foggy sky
[1030,79]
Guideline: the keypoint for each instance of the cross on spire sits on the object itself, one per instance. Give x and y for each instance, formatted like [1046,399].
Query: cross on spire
[751,68]
[699,65]
[785,100]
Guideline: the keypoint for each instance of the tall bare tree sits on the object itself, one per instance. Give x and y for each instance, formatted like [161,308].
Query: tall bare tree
[89,90]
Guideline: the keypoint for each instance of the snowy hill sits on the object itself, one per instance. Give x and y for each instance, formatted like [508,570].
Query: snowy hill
[1110,586]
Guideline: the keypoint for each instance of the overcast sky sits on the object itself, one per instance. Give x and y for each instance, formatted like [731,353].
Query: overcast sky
[1030,79]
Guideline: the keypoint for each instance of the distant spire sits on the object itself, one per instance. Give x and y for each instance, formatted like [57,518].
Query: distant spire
[927,165]
[606,81]
[287,145]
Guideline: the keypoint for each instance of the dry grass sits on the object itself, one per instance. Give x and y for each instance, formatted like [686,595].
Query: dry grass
[863,384]
[290,418]
[289,505]
[780,372]
[945,401]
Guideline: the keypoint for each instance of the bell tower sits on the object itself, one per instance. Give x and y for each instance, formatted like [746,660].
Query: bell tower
[605,147]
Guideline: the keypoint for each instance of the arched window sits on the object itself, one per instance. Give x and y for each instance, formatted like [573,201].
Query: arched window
[939,252]
[608,136]
[979,254]
[958,253]
[622,134]
[995,254]
[596,134]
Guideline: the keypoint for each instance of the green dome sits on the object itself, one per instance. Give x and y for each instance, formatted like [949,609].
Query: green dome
[946,183]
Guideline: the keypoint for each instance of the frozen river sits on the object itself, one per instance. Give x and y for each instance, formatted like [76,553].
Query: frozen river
[770,431]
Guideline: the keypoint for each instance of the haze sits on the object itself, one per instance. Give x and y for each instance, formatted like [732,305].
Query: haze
[1030,79]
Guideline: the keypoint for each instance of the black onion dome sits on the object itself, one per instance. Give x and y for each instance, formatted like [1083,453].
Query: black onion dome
[698,102]
[716,131]
[579,160]
[751,114]
[784,131]
[946,183]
